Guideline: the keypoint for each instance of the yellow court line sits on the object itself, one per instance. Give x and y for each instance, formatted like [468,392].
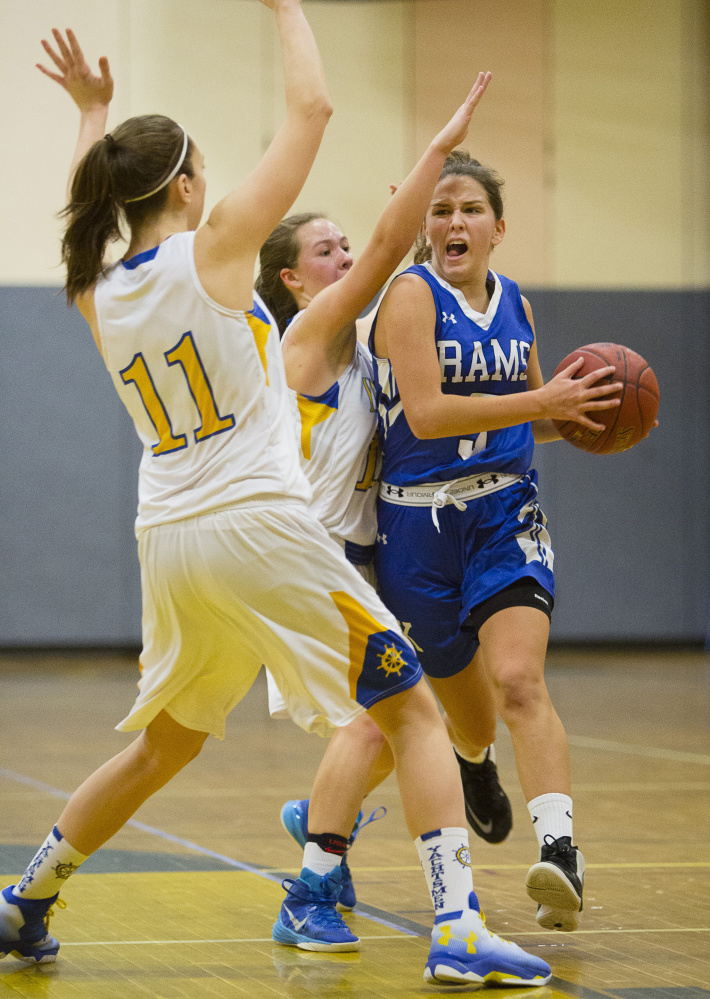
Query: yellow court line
[226,940]
[525,867]
[673,929]
[384,936]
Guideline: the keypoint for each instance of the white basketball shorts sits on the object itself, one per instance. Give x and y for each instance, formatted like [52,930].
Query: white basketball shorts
[260,583]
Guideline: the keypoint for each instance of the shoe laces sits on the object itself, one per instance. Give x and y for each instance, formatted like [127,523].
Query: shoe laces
[491,933]
[562,846]
[60,904]
[374,817]
[327,913]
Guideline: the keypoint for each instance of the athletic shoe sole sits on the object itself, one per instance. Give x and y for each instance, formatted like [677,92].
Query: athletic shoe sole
[34,953]
[557,897]
[283,935]
[566,920]
[292,825]
[456,973]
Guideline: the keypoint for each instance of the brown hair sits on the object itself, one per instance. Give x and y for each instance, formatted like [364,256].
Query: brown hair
[461,164]
[127,163]
[280,250]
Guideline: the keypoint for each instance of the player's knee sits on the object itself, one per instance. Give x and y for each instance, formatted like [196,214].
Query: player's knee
[520,692]
[166,749]
[369,735]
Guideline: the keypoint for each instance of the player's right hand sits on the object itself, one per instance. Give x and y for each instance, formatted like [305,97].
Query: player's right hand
[568,398]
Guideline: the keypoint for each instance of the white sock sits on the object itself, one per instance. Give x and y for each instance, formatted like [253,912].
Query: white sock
[488,753]
[55,861]
[446,861]
[318,860]
[551,815]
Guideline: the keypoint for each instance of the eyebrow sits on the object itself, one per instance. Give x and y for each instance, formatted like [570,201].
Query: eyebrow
[332,239]
[469,201]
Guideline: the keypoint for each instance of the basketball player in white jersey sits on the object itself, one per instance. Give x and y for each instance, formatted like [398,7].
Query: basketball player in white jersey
[235,568]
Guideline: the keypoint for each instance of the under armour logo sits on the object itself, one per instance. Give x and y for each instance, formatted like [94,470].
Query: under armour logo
[382,539]
[449,318]
[395,491]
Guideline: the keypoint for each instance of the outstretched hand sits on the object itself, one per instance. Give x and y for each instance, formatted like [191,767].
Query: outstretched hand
[87,90]
[455,132]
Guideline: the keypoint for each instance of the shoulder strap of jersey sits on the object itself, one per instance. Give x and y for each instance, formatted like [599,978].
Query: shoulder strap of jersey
[424,274]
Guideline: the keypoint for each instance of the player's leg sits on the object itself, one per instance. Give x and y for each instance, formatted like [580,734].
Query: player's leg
[513,644]
[432,798]
[470,703]
[358,758]
[94,813]
[421,576]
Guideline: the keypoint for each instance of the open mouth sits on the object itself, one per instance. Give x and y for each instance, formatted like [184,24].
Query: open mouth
[456,248]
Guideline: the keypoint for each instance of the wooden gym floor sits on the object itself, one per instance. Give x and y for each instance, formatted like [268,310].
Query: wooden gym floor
[181,902]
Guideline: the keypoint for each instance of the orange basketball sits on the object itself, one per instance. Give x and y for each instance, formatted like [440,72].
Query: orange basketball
[626,424]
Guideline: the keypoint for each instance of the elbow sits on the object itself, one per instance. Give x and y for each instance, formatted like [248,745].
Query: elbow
[423,425]
[318,109]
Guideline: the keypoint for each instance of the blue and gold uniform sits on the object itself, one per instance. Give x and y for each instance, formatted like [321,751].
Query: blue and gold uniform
[435,563]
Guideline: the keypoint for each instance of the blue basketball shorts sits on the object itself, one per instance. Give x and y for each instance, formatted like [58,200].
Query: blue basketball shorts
[431,581]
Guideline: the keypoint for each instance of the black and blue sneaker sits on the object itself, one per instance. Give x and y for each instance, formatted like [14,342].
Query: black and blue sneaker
[294,819]
[308,918]
[463,950]
[23,929]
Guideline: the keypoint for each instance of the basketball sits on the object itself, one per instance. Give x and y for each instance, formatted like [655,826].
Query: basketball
[632,420]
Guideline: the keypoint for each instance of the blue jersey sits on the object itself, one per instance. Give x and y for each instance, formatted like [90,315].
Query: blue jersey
[479,353]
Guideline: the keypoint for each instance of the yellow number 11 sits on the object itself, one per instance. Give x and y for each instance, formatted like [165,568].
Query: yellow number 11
[186,355]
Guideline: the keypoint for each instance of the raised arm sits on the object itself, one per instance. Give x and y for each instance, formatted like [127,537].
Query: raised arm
[91,93]
[242,220]
[315,337]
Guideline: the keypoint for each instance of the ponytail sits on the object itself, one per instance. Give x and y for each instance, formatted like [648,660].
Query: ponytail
[138,158]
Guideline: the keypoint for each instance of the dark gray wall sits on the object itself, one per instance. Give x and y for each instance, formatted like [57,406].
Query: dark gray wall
[630,531]
[69,459]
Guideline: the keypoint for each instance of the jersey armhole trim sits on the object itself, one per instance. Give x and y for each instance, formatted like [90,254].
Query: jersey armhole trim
[373,328]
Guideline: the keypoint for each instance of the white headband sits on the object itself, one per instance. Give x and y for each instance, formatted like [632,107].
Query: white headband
[171,175]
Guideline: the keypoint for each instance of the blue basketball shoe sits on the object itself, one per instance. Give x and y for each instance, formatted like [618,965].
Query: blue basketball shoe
[463,950]
[294,819]
[23,929]
[308,918]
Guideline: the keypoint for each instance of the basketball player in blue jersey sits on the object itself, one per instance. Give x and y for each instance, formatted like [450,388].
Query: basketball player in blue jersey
[463,556]
[306,254]
[196,360]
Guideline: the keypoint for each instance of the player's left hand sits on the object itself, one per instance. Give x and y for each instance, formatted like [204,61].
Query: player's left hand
[455,132]
[87,90]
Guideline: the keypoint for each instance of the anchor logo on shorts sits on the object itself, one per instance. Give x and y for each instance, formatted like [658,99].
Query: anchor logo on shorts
[391,660]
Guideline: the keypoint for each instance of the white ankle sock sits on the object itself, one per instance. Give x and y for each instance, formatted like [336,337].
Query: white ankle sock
[487,754]
[446,861]
[551,815]
[318,860]
[55,861]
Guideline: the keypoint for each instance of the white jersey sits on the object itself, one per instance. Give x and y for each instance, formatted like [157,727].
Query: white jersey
[204,385]
[339,454]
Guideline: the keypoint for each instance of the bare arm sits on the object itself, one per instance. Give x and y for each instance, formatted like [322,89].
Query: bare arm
[406,327]
[313,347]
[242,220]
[91,93]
